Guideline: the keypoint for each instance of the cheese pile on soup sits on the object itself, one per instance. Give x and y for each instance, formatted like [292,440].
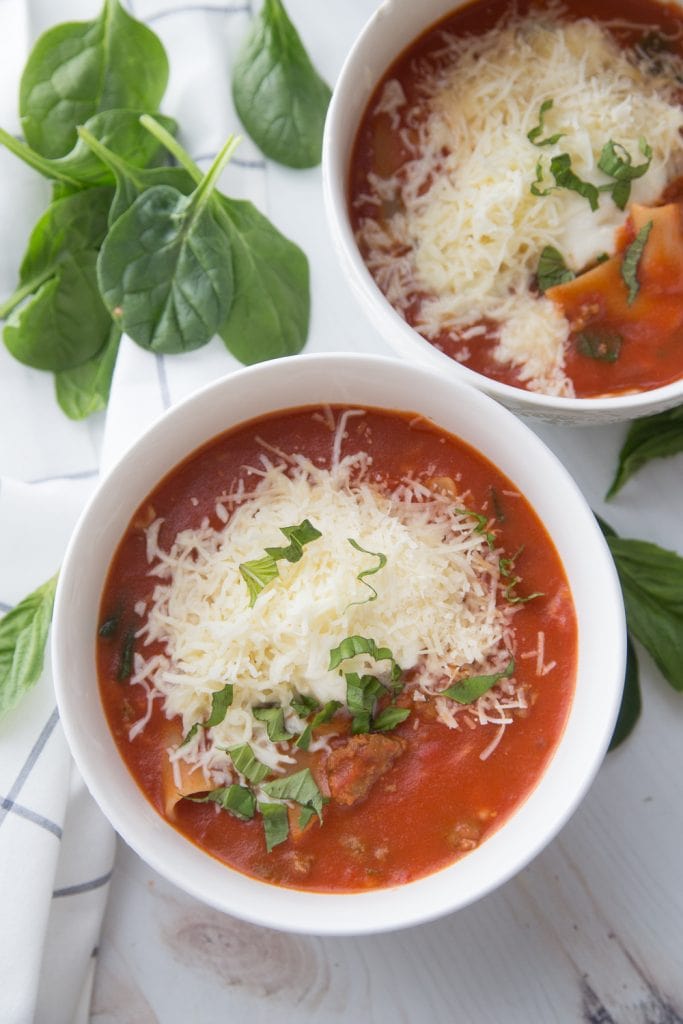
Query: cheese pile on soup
[515,193]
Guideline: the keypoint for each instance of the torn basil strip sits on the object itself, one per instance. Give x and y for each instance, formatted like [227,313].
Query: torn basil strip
[631,261]
[297,536]
[389,718]
[616,161]
[274,720]
[259,572]
[533,135]
[353,645]
[275,823]
[552,269]
[239,800]
[361,577]
[466,691]
[603,345]
[245,762]
[481,527]
[300,787]
[330,709]
[220,702]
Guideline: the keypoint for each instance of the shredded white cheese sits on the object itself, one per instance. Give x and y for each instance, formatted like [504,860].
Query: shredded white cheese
[437,605]
[467,231]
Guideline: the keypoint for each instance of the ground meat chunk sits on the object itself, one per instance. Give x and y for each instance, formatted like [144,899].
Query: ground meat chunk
[354,767]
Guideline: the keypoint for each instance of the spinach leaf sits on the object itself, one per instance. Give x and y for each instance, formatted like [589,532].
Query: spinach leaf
[119,130]
[271,306]
[654,437]
[77,69]
[23,635]
[165,267]
[279,96]
[131,180]
[84,389]
[631,702]
[652,582]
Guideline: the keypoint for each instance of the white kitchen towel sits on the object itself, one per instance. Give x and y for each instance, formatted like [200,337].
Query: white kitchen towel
[56,850]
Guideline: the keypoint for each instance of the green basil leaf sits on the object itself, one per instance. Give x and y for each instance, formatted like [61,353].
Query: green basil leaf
[604,345]
[300,787]
[652,583]
[466,691]
[84,389]
[533,135]
[389,718]
[279,96]
[353,645]
[125,668]
[361,692]
[552,269]
[274,719]
[330,709]
[242,756]
[271,309]
[631,703]
[506,568]
[275,823]
[381,562]
[109,627]
[618,163]
[481,527]
[23,635]
[631,261]
[534,187]
[239,800]
[304,705]
[190,735]
[220,702]
[299,535]
[304,818]
[77,69]
[653,437]
[165,268]
[561,170]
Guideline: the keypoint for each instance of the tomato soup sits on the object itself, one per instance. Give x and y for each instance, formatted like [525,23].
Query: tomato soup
[514,189]
[337,648]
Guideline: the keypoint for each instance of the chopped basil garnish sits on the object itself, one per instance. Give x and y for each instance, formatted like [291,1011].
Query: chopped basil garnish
[497,503]
[561,170]
[126,660]
[109,626]
[481,527]
[389,718]
[239,800]
[247,764]
[325,715]
[466,691]
[602,258]
[618,163]
[274,718]
[304,705]
[353,645]
[300,787]
[506,568]
[220,702]
[603,345]
[259,572]
[533,135]
[275,823]
[552,269]
[361,694]
[381,562]
[190,735]
[631,261]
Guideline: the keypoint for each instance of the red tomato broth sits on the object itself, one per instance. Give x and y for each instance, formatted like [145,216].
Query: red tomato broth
[650,357]
[411,824]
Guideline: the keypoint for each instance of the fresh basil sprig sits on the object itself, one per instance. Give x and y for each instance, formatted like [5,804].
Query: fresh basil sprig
[552,269]
[279,96]
[23,635]
[631,261]
[259,572]
[79,68]
[466,691]
[653,437]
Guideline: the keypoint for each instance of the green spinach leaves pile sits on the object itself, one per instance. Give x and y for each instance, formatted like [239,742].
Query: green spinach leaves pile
[129,243]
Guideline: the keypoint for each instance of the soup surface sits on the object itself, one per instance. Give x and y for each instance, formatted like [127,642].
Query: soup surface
[336,648]
[515,191]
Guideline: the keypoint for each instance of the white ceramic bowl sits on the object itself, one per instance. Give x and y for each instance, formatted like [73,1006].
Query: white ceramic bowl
[534,470]
[392,28]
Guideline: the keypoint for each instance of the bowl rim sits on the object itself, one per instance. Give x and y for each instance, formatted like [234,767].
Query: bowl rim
[197,872]
[336,155]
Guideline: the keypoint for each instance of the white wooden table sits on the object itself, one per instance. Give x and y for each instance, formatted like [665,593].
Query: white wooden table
[591,931]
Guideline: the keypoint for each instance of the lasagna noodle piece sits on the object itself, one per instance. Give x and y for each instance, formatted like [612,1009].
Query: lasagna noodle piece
[468,232]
